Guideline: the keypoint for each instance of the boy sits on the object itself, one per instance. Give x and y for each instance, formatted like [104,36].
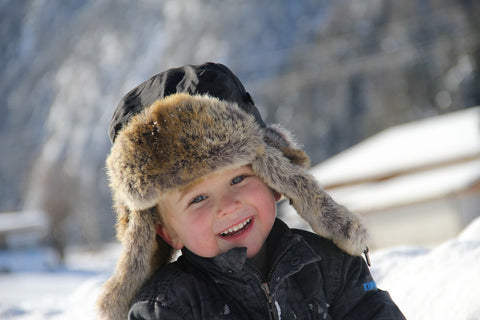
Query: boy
[193,167]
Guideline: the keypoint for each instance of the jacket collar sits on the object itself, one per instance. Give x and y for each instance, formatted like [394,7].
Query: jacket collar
[287,253]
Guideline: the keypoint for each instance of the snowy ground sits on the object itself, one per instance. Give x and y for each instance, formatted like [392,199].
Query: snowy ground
[439,283]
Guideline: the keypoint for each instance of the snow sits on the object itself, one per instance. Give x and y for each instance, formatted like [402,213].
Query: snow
[34,286]
[427,283]
[444,139]
[441,283]
[410,188]
[432,162]
[22,228]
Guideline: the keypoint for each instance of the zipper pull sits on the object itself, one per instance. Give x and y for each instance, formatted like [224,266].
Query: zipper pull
[271,308]
[266,290]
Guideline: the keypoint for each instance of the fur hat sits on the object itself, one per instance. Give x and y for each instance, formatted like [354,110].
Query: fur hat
[213,79]
[180,138]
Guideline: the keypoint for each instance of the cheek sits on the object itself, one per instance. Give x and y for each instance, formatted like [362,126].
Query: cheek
[265,201]
[199,238]
[264,196]
[196,227]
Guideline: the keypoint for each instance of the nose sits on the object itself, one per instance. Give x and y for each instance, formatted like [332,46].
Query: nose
[227,204]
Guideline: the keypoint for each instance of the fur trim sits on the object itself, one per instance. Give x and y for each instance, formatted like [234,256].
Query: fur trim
[176,141]
[281,139]
[157,151]
[136,264]
[325,216]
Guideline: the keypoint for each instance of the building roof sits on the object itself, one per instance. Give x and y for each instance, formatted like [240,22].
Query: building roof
[410,163]
[415,146]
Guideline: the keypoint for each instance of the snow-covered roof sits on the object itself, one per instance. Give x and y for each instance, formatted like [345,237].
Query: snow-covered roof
[405,148]
[410,188]
[11,222]
[410,163]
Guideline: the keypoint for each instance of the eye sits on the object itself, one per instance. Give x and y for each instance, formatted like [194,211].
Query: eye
[198,199]
[238,179]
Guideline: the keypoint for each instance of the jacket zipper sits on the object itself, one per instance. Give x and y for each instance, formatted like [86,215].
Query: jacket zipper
[272,313]
[271,309]
[274,265]
[266,288]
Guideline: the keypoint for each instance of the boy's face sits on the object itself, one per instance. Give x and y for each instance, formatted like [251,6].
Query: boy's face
[226,209]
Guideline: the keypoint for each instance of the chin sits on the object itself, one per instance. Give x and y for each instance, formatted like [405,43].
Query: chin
[252,252]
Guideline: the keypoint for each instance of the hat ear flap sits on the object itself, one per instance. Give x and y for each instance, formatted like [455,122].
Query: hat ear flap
[281,139]
[325,216]
[138,261]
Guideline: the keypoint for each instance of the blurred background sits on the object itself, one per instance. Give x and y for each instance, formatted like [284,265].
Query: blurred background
[352,79]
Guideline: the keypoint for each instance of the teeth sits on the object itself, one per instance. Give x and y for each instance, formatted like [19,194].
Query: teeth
[236,228]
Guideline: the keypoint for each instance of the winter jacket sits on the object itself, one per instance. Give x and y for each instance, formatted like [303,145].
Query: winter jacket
[309,278]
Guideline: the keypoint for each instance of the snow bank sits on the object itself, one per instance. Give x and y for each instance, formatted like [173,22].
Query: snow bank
[438,283]
[35,287]
[441,283]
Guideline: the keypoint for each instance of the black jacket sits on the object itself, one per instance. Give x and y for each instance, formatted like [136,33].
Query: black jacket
[309,278]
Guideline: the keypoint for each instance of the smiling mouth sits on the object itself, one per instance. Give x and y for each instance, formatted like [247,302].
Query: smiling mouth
[235,230]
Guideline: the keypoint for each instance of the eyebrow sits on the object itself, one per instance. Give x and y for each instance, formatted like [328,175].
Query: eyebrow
[188,188]
[184,192]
